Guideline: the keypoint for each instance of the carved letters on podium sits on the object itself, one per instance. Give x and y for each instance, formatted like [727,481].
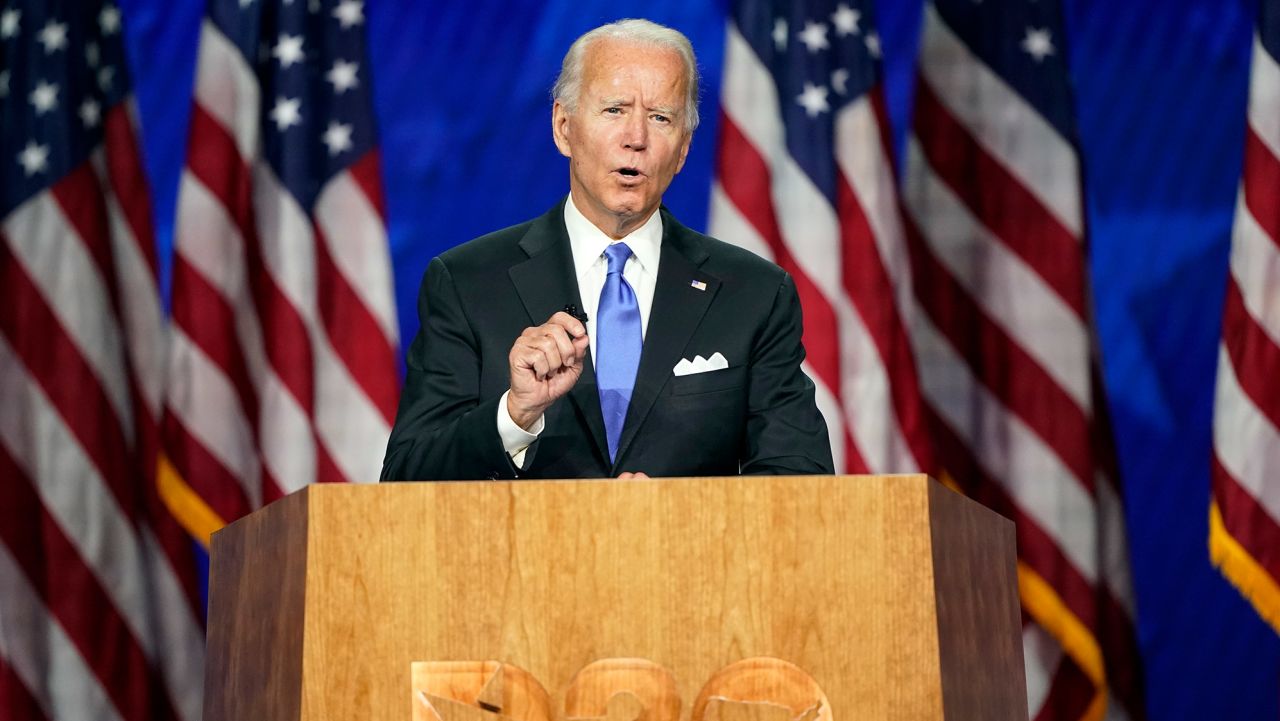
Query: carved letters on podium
[616,689]
[477,691]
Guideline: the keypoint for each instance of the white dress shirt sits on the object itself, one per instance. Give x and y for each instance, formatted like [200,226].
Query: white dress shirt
[588,243]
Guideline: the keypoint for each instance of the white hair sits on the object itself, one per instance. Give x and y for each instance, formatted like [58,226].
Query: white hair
[642,32]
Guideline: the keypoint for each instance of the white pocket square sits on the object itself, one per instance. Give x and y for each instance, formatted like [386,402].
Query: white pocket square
[699,364]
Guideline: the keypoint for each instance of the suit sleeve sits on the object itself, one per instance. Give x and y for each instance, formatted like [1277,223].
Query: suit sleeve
[786,434]
[444,429]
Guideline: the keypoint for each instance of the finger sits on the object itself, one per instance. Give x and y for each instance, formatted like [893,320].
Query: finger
[565,344]
[531,358]
[570,348]
[540,367]
[550,350]
[547,339]
[575,327]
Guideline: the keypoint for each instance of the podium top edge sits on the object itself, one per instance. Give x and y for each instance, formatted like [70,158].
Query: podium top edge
[301,499]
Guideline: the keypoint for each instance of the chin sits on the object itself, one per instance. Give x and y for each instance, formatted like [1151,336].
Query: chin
[628,207]
[623,209]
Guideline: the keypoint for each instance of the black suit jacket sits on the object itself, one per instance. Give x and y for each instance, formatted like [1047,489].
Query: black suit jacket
[756,416]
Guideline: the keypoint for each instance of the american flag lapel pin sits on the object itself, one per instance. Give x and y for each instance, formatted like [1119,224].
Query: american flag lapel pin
[698,284]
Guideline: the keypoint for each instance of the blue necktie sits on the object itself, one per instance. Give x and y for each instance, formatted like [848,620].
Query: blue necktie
[618,343]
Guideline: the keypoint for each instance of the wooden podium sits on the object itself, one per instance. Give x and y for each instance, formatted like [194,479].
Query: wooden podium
[892,596]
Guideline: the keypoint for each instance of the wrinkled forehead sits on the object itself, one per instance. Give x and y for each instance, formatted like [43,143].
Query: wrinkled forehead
[612,64]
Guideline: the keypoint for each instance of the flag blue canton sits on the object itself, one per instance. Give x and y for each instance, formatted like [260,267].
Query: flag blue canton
[61,67]
[822,56]
[1024,43]
[309,59]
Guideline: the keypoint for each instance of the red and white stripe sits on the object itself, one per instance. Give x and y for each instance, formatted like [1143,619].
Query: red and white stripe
[846,261]
[99,616]
[282,366]
[1246,437]
[995,233]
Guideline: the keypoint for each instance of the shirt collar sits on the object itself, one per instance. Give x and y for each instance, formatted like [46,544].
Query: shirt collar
[588,242]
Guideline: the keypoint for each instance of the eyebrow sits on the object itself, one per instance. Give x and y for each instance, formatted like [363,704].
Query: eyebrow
[611,102]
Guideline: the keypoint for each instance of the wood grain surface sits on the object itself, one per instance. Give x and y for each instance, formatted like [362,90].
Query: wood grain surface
[257,598]
[980,545]
[833,575]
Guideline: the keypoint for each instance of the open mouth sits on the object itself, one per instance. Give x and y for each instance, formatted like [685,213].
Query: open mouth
[629,172]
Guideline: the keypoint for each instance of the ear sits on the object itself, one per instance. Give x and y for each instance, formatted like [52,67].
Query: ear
[560,128]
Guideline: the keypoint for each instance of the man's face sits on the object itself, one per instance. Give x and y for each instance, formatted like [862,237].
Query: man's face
[627,138]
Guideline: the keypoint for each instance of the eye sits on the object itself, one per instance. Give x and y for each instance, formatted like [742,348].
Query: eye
[615,110]
[660,118]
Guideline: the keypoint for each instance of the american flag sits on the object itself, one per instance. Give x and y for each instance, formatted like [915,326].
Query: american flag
[99,609]
[284,343]
[1244,520]
[804,177]
[996,231]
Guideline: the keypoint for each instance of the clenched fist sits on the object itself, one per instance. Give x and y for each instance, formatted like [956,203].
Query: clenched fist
[545,362]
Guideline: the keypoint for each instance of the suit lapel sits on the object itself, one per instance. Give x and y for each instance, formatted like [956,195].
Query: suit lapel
[546,282]
[677,309]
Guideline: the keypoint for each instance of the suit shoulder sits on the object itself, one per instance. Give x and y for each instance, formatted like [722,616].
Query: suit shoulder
[730,259]
[488,249]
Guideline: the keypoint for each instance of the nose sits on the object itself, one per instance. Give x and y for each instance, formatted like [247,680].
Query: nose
[635,136]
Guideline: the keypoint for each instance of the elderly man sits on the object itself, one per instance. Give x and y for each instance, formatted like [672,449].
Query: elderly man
[604,338]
